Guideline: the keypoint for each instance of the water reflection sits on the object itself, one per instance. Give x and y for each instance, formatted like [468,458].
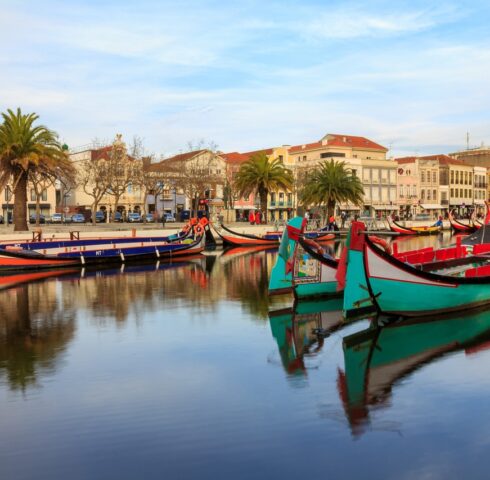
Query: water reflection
[300,331]
[35,328]
[376,359]
[37,318]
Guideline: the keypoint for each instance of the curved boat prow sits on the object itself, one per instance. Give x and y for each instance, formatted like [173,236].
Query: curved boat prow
[357,298]
[281,279]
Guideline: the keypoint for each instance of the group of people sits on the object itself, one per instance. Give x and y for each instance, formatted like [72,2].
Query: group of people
[255,217]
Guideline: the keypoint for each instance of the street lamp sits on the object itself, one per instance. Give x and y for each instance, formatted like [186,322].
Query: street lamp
[7,197]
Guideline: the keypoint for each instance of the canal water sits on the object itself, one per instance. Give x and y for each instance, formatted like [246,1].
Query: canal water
[189,371]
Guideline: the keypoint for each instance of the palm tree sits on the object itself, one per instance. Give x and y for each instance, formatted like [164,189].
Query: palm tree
[330,183]
[261,175]
[26,149]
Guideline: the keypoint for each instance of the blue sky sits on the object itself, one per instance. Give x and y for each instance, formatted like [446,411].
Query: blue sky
[411,75]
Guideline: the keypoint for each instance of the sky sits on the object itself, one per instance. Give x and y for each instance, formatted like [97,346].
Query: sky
[244,75]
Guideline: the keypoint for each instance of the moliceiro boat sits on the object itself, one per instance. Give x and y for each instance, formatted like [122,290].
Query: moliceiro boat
[460,227]
[297,268]
[435,283]
[53,254]
[422,230]
[232,238]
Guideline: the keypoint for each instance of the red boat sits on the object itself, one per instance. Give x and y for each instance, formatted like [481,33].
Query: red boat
[460,227]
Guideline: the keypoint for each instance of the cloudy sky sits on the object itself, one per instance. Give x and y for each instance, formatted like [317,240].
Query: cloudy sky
[413,76]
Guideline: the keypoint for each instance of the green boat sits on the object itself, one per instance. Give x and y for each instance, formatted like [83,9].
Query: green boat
[376,359]
[298,270]
[376,279]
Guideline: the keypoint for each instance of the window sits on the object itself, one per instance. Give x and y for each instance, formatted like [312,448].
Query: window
[434,195]
[281,158]
[401,191]
[44,195]
[354,172]
[375,175]
[452,192]
[290,198]
[422,176]
[273,197]
[422,194]
[8,194]
[33,195]
[331,154]
[304,158]
[366,174]
[460,193]
[469,178]
[444,196]
[452,176]
[428,194]
[434,177]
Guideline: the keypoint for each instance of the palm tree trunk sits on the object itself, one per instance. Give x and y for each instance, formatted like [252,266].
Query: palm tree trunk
[38,209]
[263,204]
[20,204]
[331,208]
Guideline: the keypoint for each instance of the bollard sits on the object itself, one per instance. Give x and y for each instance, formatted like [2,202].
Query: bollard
[133,232]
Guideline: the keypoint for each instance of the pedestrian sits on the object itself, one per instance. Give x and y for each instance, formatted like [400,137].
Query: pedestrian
[164,219]
[342,219]
[258,217]
[251,217]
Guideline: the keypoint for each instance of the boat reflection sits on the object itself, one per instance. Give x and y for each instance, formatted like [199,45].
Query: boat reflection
[301,330]
[376,359]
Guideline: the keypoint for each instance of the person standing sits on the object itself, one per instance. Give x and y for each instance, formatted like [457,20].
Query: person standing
[251,217]
[258,217]
[164,219]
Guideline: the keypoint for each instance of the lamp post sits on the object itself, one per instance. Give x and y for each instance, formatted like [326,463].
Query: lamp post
[175,203]
[7,195]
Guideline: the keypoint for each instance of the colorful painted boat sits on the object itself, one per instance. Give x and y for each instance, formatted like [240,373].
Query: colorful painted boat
[236,239]
[299,271]
[422,230]
[187,232]
[377,359]
[17,258]
[376,279]
[460,227]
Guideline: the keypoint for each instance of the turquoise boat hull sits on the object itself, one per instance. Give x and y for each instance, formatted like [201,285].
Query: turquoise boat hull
[397,288]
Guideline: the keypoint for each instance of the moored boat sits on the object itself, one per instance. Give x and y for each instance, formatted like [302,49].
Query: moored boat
[108,251]
[418,230]
[460,227]
[297,270]
[375,278]
[236,239]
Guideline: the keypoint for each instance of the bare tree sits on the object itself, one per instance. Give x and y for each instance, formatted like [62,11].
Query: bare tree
[122,169]
[94,178]
[151,180]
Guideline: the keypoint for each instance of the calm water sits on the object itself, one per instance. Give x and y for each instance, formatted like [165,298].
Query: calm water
[177,372]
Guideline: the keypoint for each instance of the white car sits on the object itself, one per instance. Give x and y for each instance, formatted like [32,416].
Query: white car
[169,217]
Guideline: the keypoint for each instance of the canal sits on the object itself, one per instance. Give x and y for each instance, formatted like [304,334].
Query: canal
[178,371]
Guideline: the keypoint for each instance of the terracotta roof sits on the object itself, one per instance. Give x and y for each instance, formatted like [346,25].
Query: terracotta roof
[352,141]
[238,158]
[306,146]
[182,157]
[335,140]
[405,160]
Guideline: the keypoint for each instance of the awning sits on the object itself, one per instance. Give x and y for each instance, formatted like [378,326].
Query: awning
[431,206]
[385,207]
[349,207]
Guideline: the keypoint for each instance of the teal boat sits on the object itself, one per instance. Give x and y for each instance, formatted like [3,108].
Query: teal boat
[376,279]
[376,359]
[298,270]
[300,331]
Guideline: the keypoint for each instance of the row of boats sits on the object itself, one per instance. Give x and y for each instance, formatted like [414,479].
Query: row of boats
[371,277]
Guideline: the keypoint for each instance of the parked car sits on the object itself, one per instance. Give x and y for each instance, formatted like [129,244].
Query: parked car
[33,218]
[1,219]
[150,217]
[99,217]
[169,217]
[118,217]
[57,218]
[134,217]
[78,218]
